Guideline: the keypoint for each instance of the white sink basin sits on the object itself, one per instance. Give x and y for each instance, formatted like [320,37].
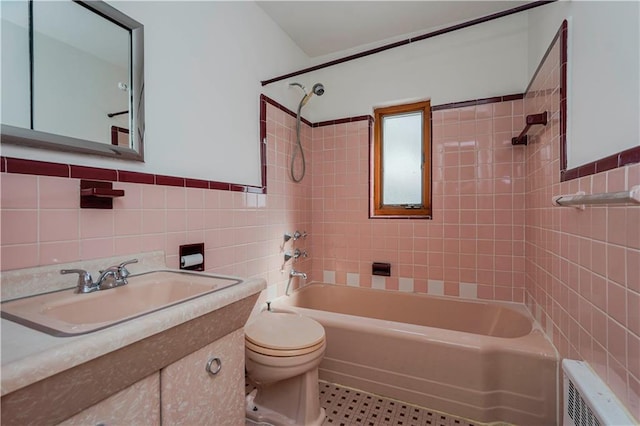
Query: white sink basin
[65,313]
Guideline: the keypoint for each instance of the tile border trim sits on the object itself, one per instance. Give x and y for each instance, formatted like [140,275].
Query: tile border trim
[476,102]
[614,161]
[44,168]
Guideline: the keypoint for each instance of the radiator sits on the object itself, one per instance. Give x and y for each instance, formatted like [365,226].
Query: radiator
[588,401]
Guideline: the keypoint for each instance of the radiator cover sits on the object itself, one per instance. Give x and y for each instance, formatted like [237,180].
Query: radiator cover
[588,401]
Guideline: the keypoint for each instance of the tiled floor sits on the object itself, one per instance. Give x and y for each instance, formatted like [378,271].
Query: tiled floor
[347,407]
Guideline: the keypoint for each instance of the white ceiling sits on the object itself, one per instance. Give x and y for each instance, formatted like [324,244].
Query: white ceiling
[324,27]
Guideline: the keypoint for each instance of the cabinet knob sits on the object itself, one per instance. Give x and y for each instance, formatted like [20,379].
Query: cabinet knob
[214,365]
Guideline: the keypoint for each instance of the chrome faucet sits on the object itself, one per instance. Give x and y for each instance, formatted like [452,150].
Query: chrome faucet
[297,235]
[113,276]
[295,273]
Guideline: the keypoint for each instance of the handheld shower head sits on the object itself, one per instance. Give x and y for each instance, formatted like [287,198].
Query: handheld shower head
[317,89]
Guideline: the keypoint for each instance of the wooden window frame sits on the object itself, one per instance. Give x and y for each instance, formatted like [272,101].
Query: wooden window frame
[377,209]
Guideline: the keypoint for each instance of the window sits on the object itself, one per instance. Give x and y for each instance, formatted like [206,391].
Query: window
[402,161]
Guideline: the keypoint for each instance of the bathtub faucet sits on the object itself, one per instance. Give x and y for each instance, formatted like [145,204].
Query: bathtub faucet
[295,273]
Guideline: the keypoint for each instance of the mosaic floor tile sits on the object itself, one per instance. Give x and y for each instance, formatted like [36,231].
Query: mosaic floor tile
[351,407]
[347,407]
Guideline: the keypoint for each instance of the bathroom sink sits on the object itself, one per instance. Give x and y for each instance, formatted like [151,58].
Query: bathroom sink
[65,313]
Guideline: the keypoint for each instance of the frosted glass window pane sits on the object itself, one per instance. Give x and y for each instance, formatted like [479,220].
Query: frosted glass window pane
[402,159]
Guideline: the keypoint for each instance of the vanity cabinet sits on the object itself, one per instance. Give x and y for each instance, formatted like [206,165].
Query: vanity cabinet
[139,404]
[193,396]
[165,370]
[189,394]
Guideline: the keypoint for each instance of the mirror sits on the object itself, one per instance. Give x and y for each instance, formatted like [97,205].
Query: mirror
[74,78]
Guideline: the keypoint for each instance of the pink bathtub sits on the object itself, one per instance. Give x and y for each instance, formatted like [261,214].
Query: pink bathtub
[484,361]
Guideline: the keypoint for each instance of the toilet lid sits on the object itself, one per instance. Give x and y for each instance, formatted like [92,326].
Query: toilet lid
[284,331]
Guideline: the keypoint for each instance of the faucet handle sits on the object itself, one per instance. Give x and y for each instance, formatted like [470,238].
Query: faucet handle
[84,277]
[300,253]
[297,235]
[124,272]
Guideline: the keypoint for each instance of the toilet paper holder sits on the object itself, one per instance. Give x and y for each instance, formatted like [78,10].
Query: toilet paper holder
[192,257]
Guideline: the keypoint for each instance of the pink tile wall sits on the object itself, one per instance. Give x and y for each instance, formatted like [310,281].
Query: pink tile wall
[580,276]
[582,267]
[42,224]
[473,247]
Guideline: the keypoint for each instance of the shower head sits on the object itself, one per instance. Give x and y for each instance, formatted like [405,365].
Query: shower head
[318,89]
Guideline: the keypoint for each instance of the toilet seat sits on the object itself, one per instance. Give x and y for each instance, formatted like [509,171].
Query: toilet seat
[283,334]
[280,352]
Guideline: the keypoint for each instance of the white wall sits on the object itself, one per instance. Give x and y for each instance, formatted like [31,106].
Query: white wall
[604,58]
[485,60]
[203,65]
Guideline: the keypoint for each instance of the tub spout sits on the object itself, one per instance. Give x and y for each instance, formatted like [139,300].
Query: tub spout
[295,273]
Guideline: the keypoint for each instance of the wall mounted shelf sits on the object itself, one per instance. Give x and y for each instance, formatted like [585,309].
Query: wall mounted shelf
[98,195]
[532,120]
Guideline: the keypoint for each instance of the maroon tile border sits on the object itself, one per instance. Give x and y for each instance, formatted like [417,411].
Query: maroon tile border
[169,180]
[431,34]
[263,155]
[620,159]
[33,167]
[475,102]
[83,172]
[629,156]
[42,168]
[343,120]
[282,108]
[267,100]
[563,35]
[196,183]
[219,185]
[136,177]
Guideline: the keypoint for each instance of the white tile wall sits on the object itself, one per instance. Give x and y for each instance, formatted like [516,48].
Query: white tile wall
[378,282]
[435,287]
[405,284]
[353,279]
[469,290]
[329,277]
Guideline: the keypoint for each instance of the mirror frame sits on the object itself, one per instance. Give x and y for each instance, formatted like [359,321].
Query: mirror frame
[37,139]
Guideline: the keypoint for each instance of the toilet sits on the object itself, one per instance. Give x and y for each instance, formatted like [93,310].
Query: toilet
[283,352]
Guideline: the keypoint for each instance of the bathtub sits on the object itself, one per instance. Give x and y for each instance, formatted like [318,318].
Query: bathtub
[486,361]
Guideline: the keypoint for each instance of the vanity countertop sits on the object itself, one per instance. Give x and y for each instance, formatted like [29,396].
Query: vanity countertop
[29,356]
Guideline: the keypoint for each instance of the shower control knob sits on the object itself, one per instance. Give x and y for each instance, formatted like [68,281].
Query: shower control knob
[298,253]
[297,235]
